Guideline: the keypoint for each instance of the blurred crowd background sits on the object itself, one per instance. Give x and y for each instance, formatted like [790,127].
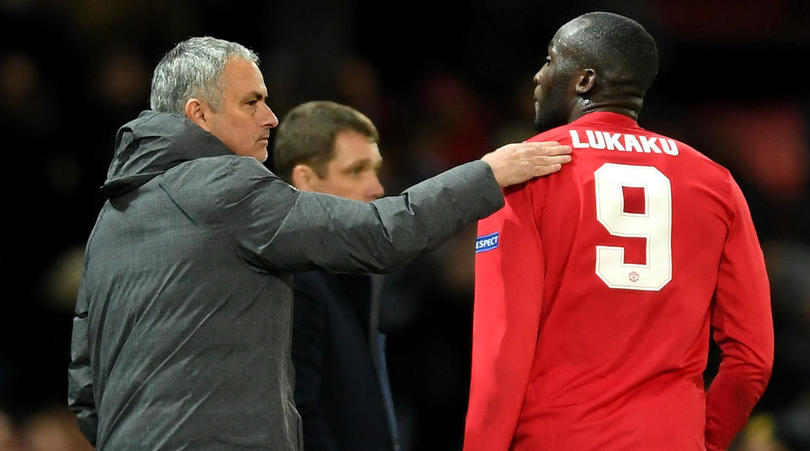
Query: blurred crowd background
[445,81]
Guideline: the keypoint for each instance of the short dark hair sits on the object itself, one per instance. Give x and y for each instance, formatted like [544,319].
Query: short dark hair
[618,47]
[307,135]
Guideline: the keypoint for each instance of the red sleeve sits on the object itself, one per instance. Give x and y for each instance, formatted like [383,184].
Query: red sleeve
[743,329]
[508,297]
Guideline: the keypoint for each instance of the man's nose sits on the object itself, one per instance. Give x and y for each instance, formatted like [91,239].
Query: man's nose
[270,119]
[375,189]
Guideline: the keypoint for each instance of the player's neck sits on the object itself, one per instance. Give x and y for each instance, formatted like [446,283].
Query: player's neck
[628,107]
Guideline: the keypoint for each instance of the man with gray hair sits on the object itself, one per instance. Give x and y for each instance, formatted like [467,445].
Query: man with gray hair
[181,338]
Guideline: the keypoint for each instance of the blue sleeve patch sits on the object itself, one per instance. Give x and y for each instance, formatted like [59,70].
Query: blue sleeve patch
[486,242]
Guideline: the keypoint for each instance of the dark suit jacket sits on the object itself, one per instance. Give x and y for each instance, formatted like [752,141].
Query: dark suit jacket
[341,385]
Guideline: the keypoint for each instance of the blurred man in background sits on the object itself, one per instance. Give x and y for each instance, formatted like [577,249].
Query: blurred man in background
[341,383]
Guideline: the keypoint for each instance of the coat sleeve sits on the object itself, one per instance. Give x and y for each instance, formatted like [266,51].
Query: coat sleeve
[283,229]
[309,349]
[742,327]
[80,371]
[508,301]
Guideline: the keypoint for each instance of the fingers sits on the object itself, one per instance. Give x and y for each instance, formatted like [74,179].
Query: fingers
[553,162]
[518,162]
[556,159]
[549,157]
[546,169]
[544,149]
[551,148]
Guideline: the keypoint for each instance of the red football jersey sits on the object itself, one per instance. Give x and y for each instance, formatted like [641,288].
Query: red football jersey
[596,289]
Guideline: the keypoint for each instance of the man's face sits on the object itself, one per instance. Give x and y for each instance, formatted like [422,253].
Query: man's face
[353,171]
[553,92]
[244,120]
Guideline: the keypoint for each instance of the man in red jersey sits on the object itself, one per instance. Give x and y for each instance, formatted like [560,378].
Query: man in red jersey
[597,288]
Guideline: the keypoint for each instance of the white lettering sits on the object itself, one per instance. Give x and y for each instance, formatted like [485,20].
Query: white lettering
[486,243]
[624,142]
[669,147]
[612,141]
[575,142]
[596,142]
[630,143]
[649,144]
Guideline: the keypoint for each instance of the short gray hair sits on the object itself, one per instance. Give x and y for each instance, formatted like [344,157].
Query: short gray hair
[193,68]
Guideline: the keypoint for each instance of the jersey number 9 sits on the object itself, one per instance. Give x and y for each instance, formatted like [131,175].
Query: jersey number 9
[654,224]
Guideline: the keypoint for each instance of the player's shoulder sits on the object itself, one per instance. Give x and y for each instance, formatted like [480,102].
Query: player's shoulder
[697,160]
[558,134]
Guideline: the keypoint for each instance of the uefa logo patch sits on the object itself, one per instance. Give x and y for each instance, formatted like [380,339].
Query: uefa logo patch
[486,242]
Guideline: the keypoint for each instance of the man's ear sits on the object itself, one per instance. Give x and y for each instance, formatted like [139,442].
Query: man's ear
[586,82]
[304,177]
[197,111]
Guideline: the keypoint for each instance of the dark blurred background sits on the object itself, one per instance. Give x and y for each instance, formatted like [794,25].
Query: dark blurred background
[444,82]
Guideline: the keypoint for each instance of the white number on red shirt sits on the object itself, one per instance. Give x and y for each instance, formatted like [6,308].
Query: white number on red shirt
[654,224]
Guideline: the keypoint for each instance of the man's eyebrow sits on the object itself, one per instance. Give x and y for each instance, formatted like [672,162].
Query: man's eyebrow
[361,162]
[254,95]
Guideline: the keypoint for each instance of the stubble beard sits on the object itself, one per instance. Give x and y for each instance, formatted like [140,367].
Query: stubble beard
[550,111]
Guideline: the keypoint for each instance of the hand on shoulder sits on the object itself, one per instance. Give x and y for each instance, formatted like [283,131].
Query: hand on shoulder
[515,163]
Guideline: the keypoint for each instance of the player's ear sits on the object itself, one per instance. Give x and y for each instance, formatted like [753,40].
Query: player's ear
[303,177]
[586,81]
[197,111]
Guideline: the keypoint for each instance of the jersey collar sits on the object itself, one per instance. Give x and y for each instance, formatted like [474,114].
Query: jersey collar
[602,117]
